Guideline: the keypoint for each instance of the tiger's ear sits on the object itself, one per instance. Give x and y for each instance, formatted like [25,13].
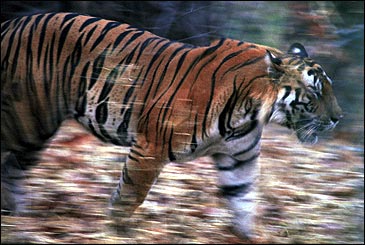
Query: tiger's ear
[274,63]
[298,49]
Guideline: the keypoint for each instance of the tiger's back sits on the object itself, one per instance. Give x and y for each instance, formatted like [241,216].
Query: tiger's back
[106,74]
[169,101]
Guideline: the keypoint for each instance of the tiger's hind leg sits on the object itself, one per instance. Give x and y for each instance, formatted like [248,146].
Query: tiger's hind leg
[13,194]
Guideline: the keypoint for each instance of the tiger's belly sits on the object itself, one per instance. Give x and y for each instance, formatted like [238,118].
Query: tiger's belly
[115,131]
[238,147]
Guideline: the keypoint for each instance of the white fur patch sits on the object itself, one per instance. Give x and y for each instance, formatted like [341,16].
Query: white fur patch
[329,79]
[308,79]
[296,51]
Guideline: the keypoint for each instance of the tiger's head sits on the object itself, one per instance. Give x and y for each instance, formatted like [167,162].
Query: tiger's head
[305,100]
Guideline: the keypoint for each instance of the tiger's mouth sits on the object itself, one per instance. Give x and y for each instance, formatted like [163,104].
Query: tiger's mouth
[307,136]
[307,131]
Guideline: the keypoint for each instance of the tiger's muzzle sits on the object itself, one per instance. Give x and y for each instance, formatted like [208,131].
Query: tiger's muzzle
[307,130]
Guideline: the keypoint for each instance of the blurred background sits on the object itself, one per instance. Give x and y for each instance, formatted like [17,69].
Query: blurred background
[333,34]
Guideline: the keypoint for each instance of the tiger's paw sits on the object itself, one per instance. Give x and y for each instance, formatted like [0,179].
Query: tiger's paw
[119,214]
[243,226]
[244,234]
[122,226]
[14,204]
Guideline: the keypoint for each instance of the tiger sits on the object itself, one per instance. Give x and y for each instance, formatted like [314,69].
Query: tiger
[168,101]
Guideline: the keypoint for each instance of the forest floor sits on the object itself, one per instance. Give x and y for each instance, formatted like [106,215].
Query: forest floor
[307,194]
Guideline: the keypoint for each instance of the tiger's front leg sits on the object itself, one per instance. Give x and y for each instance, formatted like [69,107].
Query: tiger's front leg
[237,177]
[139,174]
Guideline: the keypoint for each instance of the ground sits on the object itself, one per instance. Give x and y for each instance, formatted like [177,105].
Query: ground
[308,194]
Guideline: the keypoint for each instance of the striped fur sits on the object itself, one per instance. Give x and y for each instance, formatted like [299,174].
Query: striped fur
[168,101]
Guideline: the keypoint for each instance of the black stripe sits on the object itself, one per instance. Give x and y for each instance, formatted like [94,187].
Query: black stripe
[62,40]
[108,27]
[235,190]
[83,80]
[158,128]
[5,25]
[126,178]
[297,94]
[287,92]
[144,45]
[122,130]
[242,131]
[17,48]
[170,152]
[130,56]
[42,35]
[232,55]
[176,89]
[88,22]
[34,95]
[212,49]
[109,83]
[81,91]
[154,58]
[223,123]
[161,127]
[162,76]
[160,40]
[76,54]
[250,147]
[179,65]
[47,69]
[194,143]
[207,52]
[133,158]
[120,38]
[224,118]
[75,58]
[238,164]
[56,82]
[249,62]
[92,129]
[66,82]
[68,17]
[157,55]
[129,94]
[131,39]
[47,57]
[137,146]
[203,66]
[101,112]
[29,61]
[136,152]
[161,93]
[212,86]
[105,136]
[97,68]
[89,34]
